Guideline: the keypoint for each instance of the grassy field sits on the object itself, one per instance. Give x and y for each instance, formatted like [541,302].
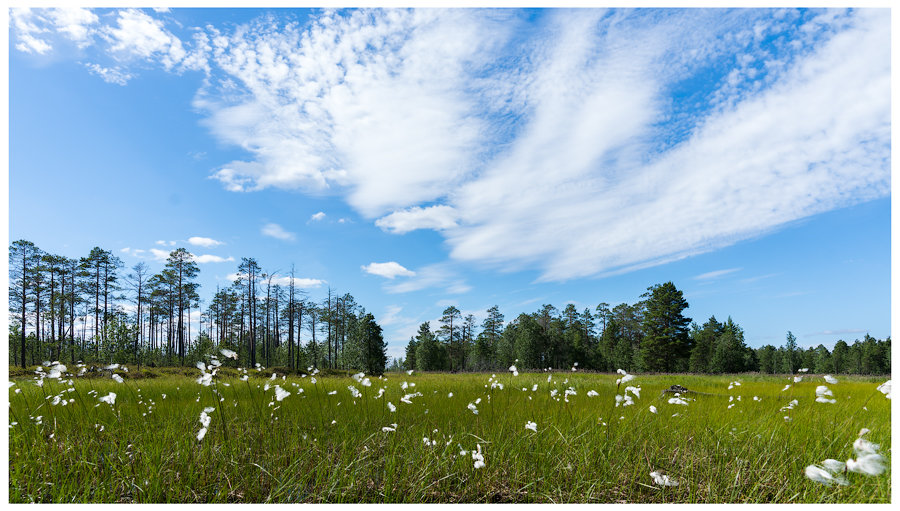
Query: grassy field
[322,444]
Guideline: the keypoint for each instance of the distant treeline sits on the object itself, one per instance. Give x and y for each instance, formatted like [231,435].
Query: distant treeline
[90,309]
[650,335]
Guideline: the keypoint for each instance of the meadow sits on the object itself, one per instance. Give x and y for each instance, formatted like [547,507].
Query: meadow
[233,435]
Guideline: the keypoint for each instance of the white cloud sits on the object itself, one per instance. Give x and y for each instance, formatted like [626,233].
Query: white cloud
[715,274]
[75,23]
[209,258]
[200,241]
[387,270]
[284,280]
[433,217]
[390,127]
[308,283]
[317,217]
[109,75]
[278,232]
[165,243]
[140,35]
[391,315]
[559,146]
[159,255]
[136,252]
[440,275]
[803,146]
[581,185]
[30,44]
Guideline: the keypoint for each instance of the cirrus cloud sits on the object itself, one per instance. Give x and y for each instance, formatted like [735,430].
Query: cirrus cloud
[573,142]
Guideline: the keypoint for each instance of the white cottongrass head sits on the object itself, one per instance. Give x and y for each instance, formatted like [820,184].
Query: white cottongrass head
[798,379]
[478,457]
[592,393]
[885,388]
[205,379]
[661,479]
[531,425]
[677,401]
[409,372]
[280,393]
[652,409]
[109,398]
[625,376]
[831,380]
[513,370]
[228,353]
[822,393]
[117,378]
[823,476]
[473,408]
[868,464]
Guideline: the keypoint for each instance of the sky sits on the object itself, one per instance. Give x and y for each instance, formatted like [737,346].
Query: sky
[473,157]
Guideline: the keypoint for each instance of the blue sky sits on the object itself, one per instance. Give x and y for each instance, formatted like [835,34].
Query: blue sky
[421,158]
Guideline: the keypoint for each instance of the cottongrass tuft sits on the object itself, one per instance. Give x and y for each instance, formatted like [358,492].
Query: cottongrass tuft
[821,395]
[661,479]
[109,398]
[653,409]
[868,461]
[478,457]
[823,476]
[531,425]
[280,393]
[117,378]
[625,376]
[831,380]
[885,388]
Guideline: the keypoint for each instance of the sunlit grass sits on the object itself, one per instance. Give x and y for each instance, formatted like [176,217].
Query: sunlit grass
[314,446]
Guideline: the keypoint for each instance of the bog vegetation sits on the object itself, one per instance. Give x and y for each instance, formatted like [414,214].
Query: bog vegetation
[117,397]
[84,433]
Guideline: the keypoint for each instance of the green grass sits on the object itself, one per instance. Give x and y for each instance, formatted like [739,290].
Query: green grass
[291,452]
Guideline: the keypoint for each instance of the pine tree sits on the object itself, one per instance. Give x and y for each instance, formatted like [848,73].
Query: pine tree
[666,344]
[24,258]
